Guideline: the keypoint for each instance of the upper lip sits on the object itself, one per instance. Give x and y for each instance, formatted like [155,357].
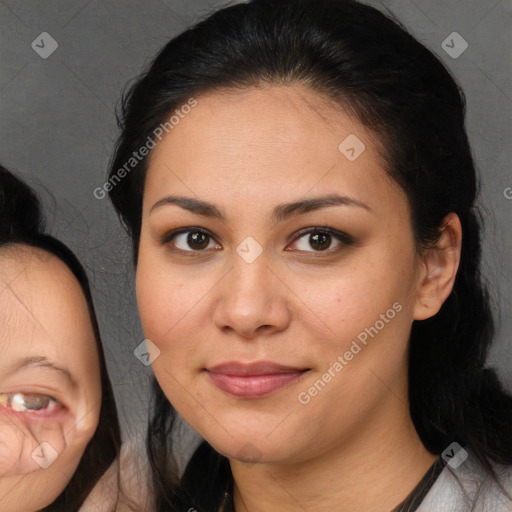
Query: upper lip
[257,368]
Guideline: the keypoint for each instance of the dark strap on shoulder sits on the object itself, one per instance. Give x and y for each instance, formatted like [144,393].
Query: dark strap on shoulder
[417,495]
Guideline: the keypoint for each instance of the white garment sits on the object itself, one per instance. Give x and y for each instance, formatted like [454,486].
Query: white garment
[469,488]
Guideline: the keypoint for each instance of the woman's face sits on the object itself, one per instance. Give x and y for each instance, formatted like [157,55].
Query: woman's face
[50,388]
[277,342]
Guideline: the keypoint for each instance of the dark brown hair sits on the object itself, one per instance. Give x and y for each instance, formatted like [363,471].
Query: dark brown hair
[368,63]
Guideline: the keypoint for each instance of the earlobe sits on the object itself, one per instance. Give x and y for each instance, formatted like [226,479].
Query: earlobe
[439,269]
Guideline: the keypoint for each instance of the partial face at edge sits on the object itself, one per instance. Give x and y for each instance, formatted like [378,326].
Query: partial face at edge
[249,287]
[50,387]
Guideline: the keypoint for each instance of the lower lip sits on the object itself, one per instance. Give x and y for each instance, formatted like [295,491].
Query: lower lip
[253,386]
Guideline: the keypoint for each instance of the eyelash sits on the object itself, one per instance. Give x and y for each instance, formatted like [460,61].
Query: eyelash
[343,238]
[49,403]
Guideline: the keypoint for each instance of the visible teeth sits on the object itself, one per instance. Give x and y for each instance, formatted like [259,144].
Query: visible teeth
[3,399]
[18,403]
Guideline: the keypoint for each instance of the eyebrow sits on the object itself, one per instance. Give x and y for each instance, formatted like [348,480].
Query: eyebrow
[279,213]
[43,362]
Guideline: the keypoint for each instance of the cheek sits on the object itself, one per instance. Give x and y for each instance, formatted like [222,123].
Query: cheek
[369,317]
[27,445]
[356,299]
[166,298]
[151,298]
[173,312]
[165,309]
[159,301]
[82,427]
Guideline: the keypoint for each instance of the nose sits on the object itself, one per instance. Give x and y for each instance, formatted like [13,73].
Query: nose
[252,300]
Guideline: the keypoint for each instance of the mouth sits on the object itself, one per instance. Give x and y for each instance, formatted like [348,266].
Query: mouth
[253,380]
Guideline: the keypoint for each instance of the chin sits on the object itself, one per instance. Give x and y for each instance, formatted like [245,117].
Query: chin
[253,449]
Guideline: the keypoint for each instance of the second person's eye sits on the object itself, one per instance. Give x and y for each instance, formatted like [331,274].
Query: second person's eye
[24,402]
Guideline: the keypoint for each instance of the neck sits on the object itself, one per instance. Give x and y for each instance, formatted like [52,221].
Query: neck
[376,469]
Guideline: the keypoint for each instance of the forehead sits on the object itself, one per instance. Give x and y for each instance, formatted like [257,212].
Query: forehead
[42,306]
[286,141]
[269,124]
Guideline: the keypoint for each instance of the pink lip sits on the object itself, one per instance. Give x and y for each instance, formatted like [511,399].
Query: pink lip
[253,380]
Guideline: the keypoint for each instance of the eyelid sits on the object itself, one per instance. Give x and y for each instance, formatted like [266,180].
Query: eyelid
[191,229]
[344,238]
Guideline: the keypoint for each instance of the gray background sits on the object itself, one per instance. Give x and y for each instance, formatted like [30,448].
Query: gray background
[58,130]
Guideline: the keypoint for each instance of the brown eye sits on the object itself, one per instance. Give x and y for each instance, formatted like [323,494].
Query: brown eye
[197,240]
[321,240]
[191,240]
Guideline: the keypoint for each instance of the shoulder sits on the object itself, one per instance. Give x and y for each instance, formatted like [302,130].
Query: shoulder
[470,487]
[125,485]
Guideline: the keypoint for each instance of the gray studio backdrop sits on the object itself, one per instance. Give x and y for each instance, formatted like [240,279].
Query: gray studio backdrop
[64,64]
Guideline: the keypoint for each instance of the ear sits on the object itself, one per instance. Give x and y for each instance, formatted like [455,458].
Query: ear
[439,267]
